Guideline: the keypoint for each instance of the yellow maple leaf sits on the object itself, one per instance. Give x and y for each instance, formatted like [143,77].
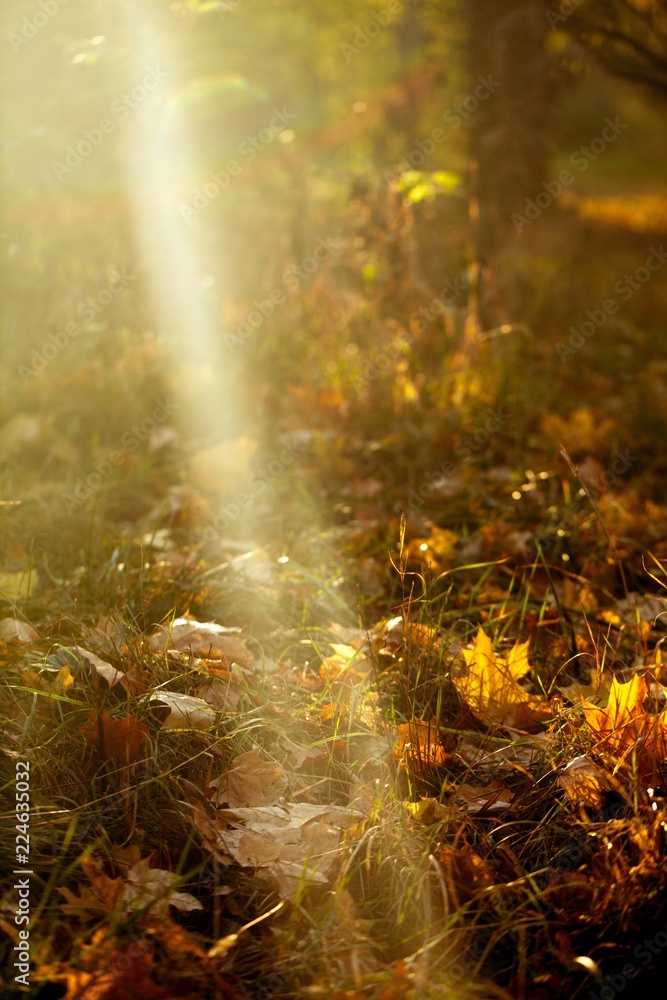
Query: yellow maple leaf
[490,688]
[582,430]
[624,725]
[598,687]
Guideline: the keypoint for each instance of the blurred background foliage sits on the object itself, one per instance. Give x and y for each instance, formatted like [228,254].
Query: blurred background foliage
[364,88]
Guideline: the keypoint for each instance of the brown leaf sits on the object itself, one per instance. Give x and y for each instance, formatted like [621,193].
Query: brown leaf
[153,888]
[87,905]
[121,740]
[207,639]
[492,797]
[101,667]
[582,431]
[125,976]
[100,898]
[16,632]
[624,727]
[185,712]
[584,782]
[419,744]
[250,781]
[292,842]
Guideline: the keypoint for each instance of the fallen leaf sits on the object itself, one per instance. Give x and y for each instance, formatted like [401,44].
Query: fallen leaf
[598,687]
[223,697]
[101,667]
[87,905]
[295,843]
[121,740]
[427,810]
[250,781]
[153,888]
[492,797]
[185,712]
[466,869]
[103,895]
[16,586]
[420,744]
[584,782]
[301,755]
[16,632]
[142,888]
[208,639]
[125,976]
[490,687]
[582,431]
[624,728]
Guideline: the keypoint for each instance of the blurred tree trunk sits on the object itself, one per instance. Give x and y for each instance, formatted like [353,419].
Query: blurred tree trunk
[510,132]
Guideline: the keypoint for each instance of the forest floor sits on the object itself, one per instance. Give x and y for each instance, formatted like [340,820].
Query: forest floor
[386,723]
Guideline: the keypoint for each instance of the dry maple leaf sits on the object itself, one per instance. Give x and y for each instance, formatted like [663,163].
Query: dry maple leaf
[88,905]
[121,740]
[493,797]
[584,782]
[110,674]
[624,726]
[293,842]
[419,743]
[250,781]
[125,976]
[185,711]
[598,687]
[100,898]
[207,639]
[581,431]
[428,810]
[490,687]
[16,632]
[152,888]
[143,888]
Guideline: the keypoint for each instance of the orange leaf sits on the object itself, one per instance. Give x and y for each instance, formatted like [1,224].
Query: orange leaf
[420,743]
[124,977]
[624,725]
[205,639]
[105,888]
[121,740]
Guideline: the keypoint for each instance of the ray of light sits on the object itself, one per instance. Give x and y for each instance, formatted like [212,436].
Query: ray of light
[158,162]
